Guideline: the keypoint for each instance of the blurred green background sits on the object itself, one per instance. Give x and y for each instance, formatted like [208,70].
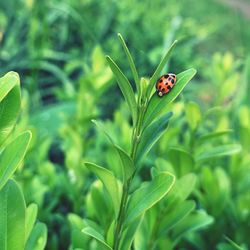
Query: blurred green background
[59,47]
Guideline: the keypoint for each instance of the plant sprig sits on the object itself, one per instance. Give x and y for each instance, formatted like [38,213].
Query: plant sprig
[149,124]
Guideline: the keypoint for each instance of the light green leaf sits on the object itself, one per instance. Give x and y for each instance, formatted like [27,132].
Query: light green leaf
[152,134]
[10,102]
[148,195]
[131,63]
[219,151]
[12,217]
[175,215]
[96,235]
[193,114]
[125,87]
[129,234]
[38,237]
[193,222]
[30,219]
[127,162]
[109,181]
[157,104]
[12,155]
[158,70]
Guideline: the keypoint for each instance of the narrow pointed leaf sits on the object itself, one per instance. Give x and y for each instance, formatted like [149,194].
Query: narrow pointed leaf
[109,181]
[12,217]
[148,195]
[174,216]
[152,134]
[158,70]
[219,151]
[129,234]
[127,163]
[125,87]
[96,235]
[12,155]
[10,102]
[191,223]
[131,63]
[157,104]
[214,135]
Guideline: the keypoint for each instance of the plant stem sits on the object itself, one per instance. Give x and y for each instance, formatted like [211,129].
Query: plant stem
[126,185]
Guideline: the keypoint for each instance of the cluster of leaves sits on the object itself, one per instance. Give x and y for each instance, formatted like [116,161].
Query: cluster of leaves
[18,226]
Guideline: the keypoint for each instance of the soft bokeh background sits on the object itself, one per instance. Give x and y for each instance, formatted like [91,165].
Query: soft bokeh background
[59,48]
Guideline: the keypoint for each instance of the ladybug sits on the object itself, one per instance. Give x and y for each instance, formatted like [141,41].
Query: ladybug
[165,83]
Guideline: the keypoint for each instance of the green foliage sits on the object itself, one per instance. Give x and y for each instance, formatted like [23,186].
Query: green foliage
[176,170]
[17,222]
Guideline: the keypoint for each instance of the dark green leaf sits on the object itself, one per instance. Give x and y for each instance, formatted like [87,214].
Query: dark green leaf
[131,63]
[109,181]
[148,195]
[127,163]
[152,134]
[125,87]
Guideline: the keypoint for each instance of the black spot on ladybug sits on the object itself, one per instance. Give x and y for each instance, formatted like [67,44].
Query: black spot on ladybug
[169,78]
[161,80]
[169,87]
[166,76]
[174,76]
[172,81]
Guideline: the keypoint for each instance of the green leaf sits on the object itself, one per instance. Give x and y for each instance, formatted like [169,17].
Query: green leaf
[10,102]
[193,114]
[12,155]
[127,162]
[38,237]
[234,245]
[182,161]
[182,189]
[158,70]
[12,217]
[193,222]
[148,195]
[219,151]
[109,181]
[175,215]
[96,235]
[152,134]
[131,63]
[157,104]
[129,234]
[125,87]
[214,135]
[30,219]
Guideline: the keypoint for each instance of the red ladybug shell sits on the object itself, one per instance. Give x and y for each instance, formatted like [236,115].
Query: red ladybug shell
[165,83]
